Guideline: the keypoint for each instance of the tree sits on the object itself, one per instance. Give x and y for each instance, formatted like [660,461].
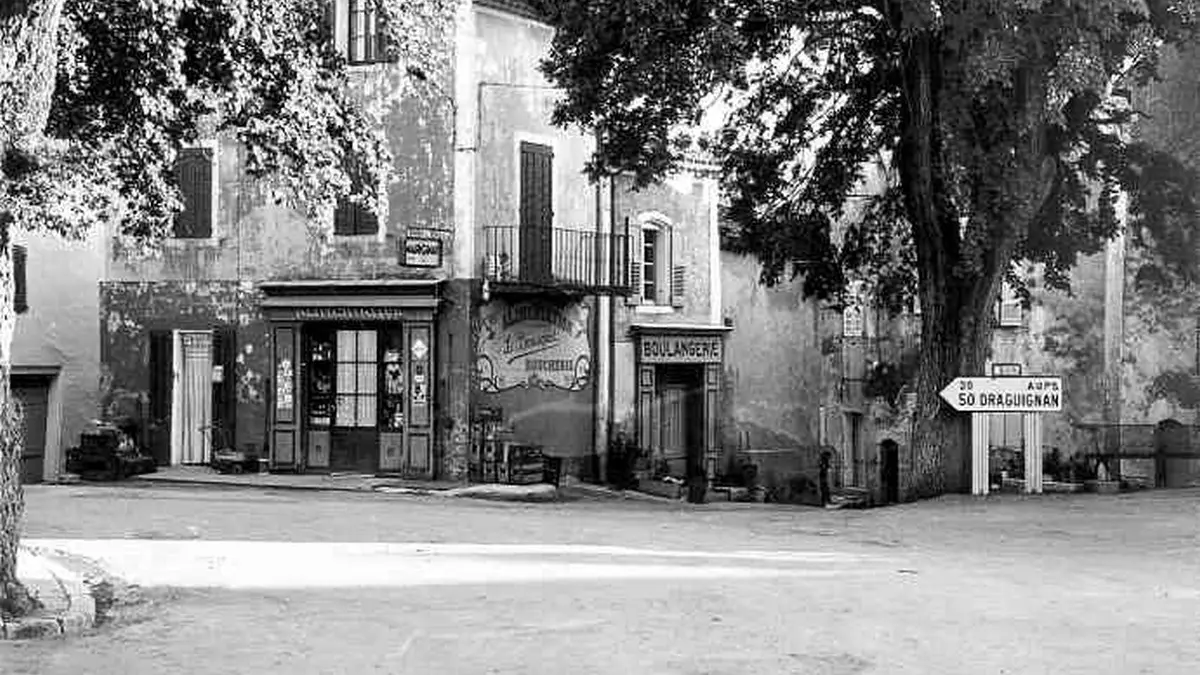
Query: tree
[999,120]
[97,96]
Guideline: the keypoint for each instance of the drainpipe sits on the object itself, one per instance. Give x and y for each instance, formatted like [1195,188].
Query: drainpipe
[604,333]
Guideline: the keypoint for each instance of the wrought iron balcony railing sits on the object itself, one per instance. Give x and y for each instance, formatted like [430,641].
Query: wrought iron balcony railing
[576,260]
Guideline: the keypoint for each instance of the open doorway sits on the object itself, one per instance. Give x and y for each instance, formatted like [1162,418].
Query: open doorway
[889,469]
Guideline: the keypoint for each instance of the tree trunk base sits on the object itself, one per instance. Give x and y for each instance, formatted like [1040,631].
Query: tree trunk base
[16,600]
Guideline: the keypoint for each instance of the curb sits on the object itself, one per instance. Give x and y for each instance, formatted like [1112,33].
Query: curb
[189,482]
[79,616]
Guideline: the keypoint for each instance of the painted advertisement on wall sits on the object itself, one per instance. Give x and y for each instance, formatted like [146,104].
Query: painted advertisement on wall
[533,345]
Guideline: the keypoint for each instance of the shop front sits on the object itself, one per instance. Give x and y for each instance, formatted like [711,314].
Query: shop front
[352,376]
[679,370]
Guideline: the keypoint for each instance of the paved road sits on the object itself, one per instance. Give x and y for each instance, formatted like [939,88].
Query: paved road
[239,581]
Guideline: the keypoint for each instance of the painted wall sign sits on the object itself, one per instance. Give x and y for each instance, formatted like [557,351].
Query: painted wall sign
[680,349]
[349,314]
[421,252]
[532,344]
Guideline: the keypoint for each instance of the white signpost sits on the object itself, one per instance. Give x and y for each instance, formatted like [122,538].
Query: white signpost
[983,395]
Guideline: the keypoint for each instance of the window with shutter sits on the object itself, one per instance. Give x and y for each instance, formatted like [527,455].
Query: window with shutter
[634,261]
[20,297]
[1009,307]
[366,36]
[678,269]
[353,219]
[194,177]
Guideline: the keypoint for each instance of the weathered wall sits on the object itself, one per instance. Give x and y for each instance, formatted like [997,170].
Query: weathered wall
[535,361]
[776,374]
[129,311]
[59,331]
[515,104]
[254,238]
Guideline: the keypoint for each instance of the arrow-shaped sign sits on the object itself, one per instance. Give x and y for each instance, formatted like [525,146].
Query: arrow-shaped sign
[1004,394]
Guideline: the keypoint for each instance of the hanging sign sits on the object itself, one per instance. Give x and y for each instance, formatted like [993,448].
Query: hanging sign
[421,252]
[533,344]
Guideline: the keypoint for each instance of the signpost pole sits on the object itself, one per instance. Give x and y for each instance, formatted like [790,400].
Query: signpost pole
[1033,453]
[979,453]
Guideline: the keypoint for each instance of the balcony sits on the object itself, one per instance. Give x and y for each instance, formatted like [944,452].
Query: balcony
[539,260]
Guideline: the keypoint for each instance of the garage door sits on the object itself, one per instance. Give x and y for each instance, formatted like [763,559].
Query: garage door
[34,397]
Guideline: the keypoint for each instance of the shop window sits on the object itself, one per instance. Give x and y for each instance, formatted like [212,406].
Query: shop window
[320,377]
[356,385]
[194,169]
[391,398]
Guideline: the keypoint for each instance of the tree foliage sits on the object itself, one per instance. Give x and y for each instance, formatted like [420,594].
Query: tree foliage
[997,124]
[135,80]
[1022,116]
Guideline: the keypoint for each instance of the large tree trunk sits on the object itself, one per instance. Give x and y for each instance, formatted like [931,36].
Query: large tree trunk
[28,50]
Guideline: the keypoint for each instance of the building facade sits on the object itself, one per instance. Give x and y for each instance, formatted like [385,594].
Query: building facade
[56,345]
[253,330]
[504,289]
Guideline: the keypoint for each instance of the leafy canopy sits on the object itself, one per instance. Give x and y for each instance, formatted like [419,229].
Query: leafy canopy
[993,121]
[136,79]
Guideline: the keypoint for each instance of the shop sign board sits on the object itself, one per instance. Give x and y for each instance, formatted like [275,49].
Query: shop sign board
[681,349]
[533,345]
[422,252]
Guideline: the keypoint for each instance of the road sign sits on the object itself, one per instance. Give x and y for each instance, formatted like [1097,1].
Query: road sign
[1005,394]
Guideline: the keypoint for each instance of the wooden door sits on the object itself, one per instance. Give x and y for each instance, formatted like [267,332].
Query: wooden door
[162,370]
[420,396]
[34,395]
[285,397]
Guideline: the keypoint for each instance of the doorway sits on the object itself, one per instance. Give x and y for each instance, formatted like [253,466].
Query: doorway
[681,409]
[854,423]
[191,419]
[354,440]
[889,467]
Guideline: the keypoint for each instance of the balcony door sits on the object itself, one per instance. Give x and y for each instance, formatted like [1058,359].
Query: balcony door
[537,212]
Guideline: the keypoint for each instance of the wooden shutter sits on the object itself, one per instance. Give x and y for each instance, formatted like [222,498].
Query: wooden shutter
[634,240]
[712,418]
[350,218]
[677,270]
[537,212]
[381,35]
[162,360]
[646,409]
[224,403]
[193,174]
[20,287]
